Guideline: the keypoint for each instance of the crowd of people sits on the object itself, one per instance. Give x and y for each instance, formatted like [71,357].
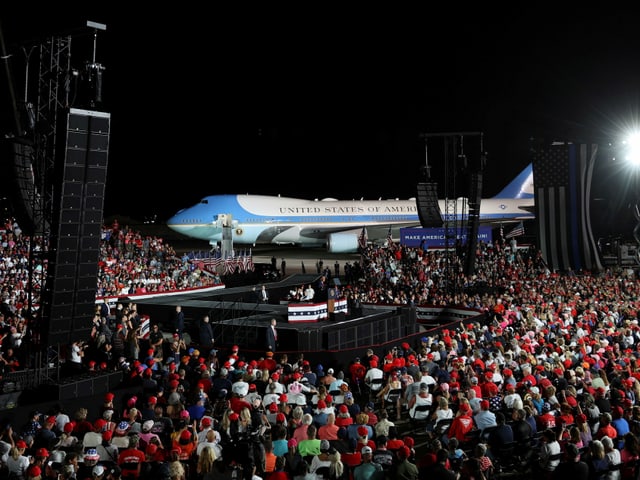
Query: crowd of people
[547,374]
[129,263]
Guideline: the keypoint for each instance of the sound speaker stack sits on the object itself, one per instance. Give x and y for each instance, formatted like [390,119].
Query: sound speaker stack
[78,202]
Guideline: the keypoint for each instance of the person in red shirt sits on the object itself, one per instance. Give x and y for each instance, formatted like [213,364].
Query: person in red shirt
[238,402]
[357,371]
[547,420]
[605,429]
[187,444]
[488,388]
[527,376]
[130,459]
[343,419]
[462,423]
[268,363]
[499,309]
[566,414]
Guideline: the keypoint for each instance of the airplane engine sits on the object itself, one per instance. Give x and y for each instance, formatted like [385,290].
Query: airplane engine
[342,243]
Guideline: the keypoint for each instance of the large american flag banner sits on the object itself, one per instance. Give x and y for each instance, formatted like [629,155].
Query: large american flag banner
[362,239]
[562,174]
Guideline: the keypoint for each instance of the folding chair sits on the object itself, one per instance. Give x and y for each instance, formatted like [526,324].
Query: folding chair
[391,402]
[420,418]
[441,427]
[374,388]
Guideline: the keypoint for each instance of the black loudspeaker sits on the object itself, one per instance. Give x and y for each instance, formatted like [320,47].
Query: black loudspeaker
[475,199]
[428,207]
[76,225]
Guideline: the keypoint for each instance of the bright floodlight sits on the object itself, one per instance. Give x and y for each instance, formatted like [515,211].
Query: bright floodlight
[632,149]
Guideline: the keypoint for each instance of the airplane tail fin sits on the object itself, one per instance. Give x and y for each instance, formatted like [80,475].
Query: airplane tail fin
[519,187]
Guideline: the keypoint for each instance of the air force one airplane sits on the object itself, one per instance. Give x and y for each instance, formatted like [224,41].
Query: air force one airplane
[334,224]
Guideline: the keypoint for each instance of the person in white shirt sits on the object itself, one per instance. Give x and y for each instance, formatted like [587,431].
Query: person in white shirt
[212,440]
[510,396]
[77,352]
[422,398]
[240,386]
[309,294]
[374,373]
[296,391]
[264,295]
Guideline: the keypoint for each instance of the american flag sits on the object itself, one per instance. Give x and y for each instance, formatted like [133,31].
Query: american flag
[362,240]
[562,178]
[145,326]
[229,266]
[517,231]
[248,263]
[390,243]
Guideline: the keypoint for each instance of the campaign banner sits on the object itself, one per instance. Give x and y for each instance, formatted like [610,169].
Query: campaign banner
[435,237]
[307,312]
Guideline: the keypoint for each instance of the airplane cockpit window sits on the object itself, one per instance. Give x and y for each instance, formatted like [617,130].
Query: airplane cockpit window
[204,201]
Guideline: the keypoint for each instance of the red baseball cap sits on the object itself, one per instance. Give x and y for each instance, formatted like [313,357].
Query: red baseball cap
[34,471]
[42,452]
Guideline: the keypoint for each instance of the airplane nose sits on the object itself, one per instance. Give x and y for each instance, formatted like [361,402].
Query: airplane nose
[173,221]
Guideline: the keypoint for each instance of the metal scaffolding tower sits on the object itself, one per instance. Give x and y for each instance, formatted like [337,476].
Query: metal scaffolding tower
[461,212]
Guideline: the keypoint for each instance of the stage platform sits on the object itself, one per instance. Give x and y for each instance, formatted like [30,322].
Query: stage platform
[239,319]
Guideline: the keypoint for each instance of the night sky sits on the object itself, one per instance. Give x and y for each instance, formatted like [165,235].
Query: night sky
[333,105]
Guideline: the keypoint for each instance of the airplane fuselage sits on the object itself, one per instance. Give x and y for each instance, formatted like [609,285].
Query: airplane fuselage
[337,224]
[259,219]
